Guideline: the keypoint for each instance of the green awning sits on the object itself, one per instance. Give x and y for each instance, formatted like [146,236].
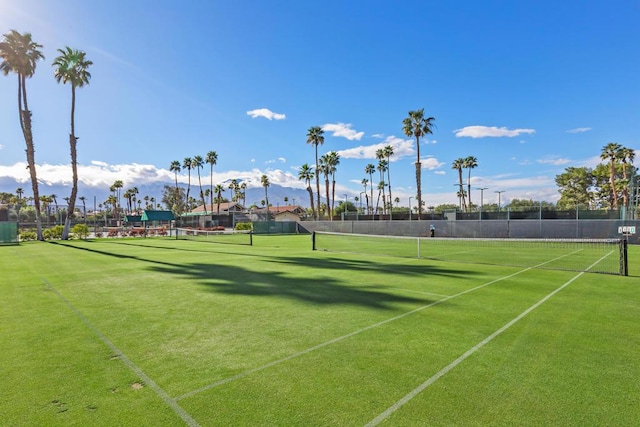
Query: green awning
[149,215]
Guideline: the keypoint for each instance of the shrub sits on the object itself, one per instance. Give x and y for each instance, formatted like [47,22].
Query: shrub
[80,231]
[244,226]
[54,232]
[27,235]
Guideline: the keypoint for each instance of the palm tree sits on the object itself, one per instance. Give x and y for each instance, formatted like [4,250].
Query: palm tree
[315,137]
[117,185]
[175,168]
[417,125]
[218,189]
[365,181]
[234,187]
[186,164]
[127,196]
[19,193]
[324,168]
[381,185]
[370,169]
[212,159]
[388,152]
[72,67]
[611,151]
[333,159]
[458,164]
[382,168]
[84,207]
[19,54]
[264,180]
[470,162]
[243,187]
[627,155]
[197,163]
[305,173]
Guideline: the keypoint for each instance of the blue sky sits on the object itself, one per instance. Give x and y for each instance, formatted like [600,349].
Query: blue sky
[527,87]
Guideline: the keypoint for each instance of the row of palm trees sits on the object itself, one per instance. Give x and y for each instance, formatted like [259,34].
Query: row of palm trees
[416,125]
[19,55]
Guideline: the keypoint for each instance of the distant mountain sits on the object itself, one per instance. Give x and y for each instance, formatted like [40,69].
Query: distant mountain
[97,195]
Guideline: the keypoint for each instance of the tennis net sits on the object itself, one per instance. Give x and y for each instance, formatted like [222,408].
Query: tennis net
[218,236]
[608,256]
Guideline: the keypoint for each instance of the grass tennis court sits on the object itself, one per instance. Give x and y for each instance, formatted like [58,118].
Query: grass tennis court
[165,332]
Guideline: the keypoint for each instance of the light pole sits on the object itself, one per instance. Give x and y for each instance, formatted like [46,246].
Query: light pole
[499,193]
[345,204]
[481,198]
[410,197]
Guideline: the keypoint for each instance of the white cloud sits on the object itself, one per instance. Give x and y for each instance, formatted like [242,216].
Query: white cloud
[344,130]
[282,159]
[401,148]
[1,146]
[440,172]
[490,131]
[578,130]
[431,163]
[377,135]
[554,161]
[266,113]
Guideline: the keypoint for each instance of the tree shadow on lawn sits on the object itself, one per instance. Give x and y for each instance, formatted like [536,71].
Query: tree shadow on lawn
[330,289]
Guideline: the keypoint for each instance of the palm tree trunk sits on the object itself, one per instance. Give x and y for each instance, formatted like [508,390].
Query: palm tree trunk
[326,184]
[317,183]
[25,123]
[74,168]
[419,188]
[612,181]
[310,197]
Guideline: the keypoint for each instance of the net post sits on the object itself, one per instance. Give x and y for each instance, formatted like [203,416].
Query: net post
[624,264]
[250,237]
[313,241]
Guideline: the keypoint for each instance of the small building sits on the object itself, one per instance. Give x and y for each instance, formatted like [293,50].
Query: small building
[282,213]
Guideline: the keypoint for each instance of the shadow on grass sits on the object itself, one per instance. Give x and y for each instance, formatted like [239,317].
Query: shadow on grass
[332,288]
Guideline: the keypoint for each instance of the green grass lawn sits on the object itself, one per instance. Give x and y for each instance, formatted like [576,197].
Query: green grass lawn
[161,332]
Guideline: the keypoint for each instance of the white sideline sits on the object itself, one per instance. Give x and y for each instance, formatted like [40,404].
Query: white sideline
[172,403]
[349,335]
[393,408]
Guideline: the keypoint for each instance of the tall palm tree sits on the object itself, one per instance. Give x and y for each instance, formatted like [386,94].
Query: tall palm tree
[19,54]
[382,168]
[333,159]
[234,187]
[418,126]
[72,66]
[306,173]
[84,207]
[218,189]
[186,164]
[611,151]
[243,187]
[627,155]
[127,196]
[381,185]
[325,169]
[212,159]
[364,182]
[19,193]
[370,169]
[197,163]
[116,187]
[458,164]
[315,137]
[470,162]
[264,180]
[388,152]
[175,168]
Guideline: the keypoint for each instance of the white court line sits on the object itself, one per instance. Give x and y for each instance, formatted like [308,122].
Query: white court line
[393,408]
[172,403]
[351,334]
[419,292]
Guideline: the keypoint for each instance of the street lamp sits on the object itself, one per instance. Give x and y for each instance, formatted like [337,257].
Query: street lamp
[481,198]
[499,193]
[410,197]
